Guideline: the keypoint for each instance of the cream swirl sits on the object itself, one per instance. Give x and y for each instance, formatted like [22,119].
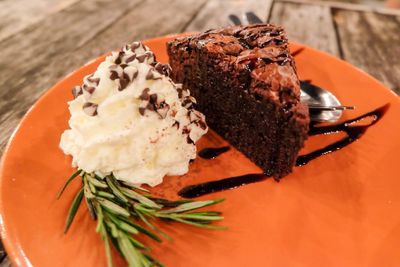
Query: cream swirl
[129,118]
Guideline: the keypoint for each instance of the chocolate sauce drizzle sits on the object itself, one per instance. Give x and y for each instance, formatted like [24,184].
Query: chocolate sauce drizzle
[298,51]
[353,132]
[197,190]
[213,152]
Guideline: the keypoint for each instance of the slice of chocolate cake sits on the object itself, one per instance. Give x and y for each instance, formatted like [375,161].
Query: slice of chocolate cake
[245,82]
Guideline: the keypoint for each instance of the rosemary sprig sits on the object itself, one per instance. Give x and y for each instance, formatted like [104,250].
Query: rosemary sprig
[121,208]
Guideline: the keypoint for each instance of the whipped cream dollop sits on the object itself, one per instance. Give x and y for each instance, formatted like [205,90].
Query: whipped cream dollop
[130,119]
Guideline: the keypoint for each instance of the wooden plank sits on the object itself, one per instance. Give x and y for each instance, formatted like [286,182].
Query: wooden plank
[141,27]
[366,6]
[18,14]
[6,263]
[3,254]
[36,58]
[215,13]
[311,25]
[25,57]
[371,41]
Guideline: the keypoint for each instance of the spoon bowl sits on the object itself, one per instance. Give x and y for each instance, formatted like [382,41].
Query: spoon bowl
[313,95]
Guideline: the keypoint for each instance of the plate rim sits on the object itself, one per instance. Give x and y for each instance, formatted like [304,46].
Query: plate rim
[13,251]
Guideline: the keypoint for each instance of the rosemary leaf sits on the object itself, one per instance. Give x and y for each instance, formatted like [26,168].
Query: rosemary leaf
[87,190]
[123,225]
[133,186]
[73,209]
[97,183]
[201,225]
[117,206]
[144,210]
[152,226]
[92,188]
[144,219]
[114,188]
[99,215]
[191,216]
[153,261]
[168,203]
[137,244]
[75,174]
[105,194]
[206,213]
[146,232]
[90,208]
[192,205]
[104,236]
[142,199]
[129,251]
[112,207]
[141,229]
[113,229]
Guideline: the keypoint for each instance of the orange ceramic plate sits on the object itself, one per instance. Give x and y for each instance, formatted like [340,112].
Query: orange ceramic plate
[341,209]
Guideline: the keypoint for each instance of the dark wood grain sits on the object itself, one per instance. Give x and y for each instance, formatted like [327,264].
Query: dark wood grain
[371,41]
[347,5]
[18,14]
[308,24]
[26,56]
[150,19]
[215,13]
[6,262]
[67,40]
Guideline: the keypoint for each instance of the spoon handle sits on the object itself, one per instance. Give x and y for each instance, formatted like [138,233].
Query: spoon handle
[330,108]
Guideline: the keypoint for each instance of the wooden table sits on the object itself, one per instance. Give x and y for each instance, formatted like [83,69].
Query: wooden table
[41,41]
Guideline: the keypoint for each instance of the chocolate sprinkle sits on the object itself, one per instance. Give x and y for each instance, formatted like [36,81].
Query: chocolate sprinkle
[123,83]
[176,123]
[125,76]
[141,58]
[90,108]
[160,106]
[163,69]
[189,140]
[142,110]
[188,101]
[150,75]
[130,73]
[135,45]
[130,58]
[202,124]
[114,75]
[118,60]
[179,90]
[90,89]
[187,131]
[76,91]
[153,98]
[94,80]
[150,107]
[145,94]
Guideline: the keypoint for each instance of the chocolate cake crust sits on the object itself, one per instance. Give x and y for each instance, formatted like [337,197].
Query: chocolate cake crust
[245,82]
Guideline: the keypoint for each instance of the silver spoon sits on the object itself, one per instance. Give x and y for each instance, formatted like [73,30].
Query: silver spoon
[323,105]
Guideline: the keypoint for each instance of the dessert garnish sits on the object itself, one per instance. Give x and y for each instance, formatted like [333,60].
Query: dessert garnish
[130,125]
[354,129]
[197,190]
[125,213]
[130,119]
[353,132]
[212,152]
